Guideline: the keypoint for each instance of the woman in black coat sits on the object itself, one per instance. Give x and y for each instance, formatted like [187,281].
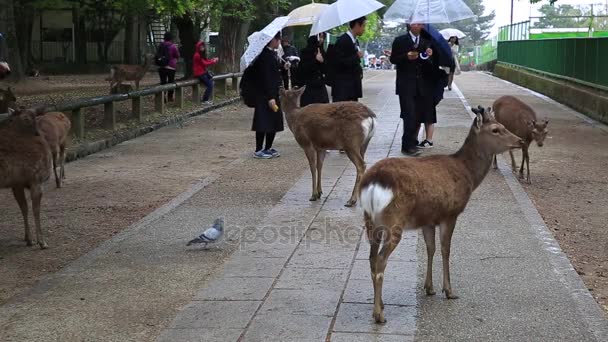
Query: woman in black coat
[312,71]
[268,117]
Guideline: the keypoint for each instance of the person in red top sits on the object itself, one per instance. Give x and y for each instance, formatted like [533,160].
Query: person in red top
[200,64]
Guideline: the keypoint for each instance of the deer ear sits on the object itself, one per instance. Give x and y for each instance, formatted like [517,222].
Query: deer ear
[282,91]
[301,90]
[11,112]
[475,110]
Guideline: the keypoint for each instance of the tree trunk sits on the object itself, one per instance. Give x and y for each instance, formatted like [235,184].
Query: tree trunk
[232,36]
[185,26]
[80,38]
[14,55]
[131,42]
[24,28]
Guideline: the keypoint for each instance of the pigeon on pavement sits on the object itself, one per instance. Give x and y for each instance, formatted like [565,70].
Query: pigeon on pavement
[212,234]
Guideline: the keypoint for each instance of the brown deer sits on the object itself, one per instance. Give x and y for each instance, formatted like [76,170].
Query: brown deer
[126,72]
[347,126]
[55,128]
[7,100]
[411,193]
[25,163]
[520,119]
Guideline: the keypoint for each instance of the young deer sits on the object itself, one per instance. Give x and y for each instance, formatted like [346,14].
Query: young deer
[125,72]
[347,126]
[7,100]
[55,129]
[520,119]
[24,164]
[412,193]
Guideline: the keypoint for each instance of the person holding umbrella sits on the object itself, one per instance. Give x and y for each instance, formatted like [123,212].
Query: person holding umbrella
[348,74]
[312,71]
[455,70]
[413,56]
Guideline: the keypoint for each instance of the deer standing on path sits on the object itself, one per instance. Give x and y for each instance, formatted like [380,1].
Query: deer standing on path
[412,193]
[25,163]
[126,72]
[55,129]
[347,126]
[520,119]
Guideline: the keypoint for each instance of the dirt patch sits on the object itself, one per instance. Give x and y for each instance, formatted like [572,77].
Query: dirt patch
[106,192]
[569,180]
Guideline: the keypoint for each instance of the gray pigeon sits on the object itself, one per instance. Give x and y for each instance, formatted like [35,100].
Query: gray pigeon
[210,235]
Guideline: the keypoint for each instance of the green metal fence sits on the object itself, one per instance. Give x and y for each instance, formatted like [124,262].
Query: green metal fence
[576,59]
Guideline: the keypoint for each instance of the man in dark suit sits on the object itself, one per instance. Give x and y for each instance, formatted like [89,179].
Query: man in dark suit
[412,55]
[347,73]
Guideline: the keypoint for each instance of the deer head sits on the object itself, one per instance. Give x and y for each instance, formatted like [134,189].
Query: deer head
[7,96]
[539,131]
[491,134]
[23,120]
[290,99]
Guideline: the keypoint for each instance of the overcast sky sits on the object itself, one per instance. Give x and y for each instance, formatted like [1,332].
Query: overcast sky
[523,9]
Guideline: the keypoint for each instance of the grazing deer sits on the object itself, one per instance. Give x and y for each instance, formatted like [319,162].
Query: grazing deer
[7,100]
[411,193]
[55,128]
[125,72]
[520,119]
[347,126]
[24,164]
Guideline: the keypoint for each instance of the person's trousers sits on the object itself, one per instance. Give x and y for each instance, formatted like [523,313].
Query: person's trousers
[410,122]
[208,82]
[167,76]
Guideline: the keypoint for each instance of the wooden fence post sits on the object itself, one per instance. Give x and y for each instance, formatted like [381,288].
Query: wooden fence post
[159,102]
[109,116]
[196,93]
[78,123]
[179,97]
[137,109]
[235,84]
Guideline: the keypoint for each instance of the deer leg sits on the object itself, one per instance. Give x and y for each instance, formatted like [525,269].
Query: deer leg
[429,240]
[528,166]
[356,159]
[62,161]
[374,236]
[19,194]
[446,230]
[36,195]
[54,154]
[312,162]
[320,158]
[513,165]
[392,237]
[524,152]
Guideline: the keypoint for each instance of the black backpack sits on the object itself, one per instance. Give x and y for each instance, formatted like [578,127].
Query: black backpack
[247,87]
[162,55]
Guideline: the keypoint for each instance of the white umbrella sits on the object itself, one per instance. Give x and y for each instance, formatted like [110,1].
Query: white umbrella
[428,11]
[452,32]
[342,12]
[305,15]
[258,41]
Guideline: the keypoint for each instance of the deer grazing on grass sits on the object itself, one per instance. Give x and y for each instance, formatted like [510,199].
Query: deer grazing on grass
[126,72]
[411,193]
[7,100]
[347,126]
[520,119]
[55,128]
[25,163]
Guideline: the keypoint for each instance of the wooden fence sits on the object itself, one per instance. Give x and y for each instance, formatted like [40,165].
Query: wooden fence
[78,114]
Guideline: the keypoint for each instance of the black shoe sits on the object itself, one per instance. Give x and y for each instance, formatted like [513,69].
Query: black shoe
[412,152]
[425,144]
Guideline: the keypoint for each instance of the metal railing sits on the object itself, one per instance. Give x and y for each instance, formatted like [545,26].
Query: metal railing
[574,59]
[77,107]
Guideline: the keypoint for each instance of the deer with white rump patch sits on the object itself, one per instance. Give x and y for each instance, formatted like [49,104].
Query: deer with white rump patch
[411,193]
[347,126]
[520,119]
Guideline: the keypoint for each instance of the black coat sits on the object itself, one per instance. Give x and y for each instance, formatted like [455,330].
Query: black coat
[311,74]
[269,79]
[412,76]
[348,74]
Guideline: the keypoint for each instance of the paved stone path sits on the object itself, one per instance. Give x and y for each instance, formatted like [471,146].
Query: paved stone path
[304,274]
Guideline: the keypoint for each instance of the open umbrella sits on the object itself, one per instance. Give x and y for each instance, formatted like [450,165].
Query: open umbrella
[305,15]
[428,11]
[258,41]
[443,52]
[452,32]
[342,12]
